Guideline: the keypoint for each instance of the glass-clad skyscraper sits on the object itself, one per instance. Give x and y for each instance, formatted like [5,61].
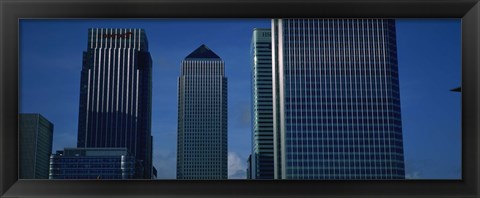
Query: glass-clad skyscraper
[261,161]
[92,163]
[336,99]
[202,117]
[35,146]
[116,94]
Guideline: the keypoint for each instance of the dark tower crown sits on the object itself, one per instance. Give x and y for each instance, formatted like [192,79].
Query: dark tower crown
[203,52]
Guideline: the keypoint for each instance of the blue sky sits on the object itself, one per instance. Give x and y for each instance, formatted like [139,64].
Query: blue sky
[429,56]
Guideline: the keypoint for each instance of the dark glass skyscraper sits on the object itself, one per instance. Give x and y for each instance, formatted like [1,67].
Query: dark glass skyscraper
[202,117]
[35,146]
[116,95]
[261,162]
[92,163]
[336,99]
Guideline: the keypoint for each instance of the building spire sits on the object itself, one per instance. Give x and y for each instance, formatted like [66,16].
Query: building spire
[202,52]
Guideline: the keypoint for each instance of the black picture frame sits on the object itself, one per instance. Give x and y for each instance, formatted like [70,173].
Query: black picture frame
[11,11]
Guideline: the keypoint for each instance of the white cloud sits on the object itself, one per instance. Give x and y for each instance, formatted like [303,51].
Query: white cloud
[413,175]
[63,140]
[166,164]
[236,166]
[415,168]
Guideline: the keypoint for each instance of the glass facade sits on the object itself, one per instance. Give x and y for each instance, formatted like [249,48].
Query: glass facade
[261,161]
[336,99]
[116,94]
[35,146]
[202,117]
[92,163]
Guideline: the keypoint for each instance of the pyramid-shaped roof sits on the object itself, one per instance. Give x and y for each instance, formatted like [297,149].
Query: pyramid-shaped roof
[203,52]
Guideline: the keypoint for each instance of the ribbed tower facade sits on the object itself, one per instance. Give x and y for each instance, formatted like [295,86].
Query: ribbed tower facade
[202,117]
[336,100]
[116,95]
[262,113]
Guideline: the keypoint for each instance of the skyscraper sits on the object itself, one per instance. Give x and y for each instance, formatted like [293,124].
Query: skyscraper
[202,117]
[35,146]
[336,99]
[116,95]
[261,162]
[92,163]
